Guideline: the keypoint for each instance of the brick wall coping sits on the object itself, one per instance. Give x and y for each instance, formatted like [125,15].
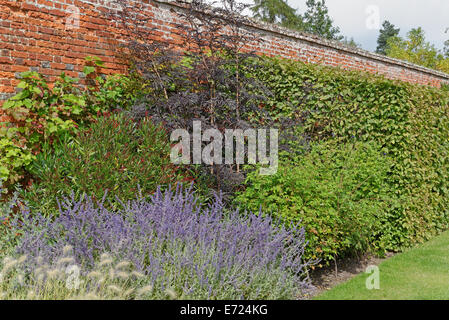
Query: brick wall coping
[303,36]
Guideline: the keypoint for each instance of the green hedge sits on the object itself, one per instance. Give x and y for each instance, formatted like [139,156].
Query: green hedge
[410,123]
[338,192]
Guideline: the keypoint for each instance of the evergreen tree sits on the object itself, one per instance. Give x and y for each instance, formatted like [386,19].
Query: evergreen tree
[388,31]
[316,20]
[277,11]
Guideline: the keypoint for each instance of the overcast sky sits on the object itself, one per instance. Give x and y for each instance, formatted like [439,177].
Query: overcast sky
[354,16]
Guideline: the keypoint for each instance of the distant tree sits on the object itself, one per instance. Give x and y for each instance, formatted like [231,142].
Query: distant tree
[446,49]
[443,65]
[388,30]
[417,50]
[351,42]
[277,11]
[446,46]
[316,20]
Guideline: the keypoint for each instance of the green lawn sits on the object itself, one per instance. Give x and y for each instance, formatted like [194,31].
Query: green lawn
[419,273]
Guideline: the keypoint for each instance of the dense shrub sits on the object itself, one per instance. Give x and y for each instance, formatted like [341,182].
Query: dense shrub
[14,159]
[113,92]
[114,154]
[197,252]
[339,193]
[208,80]
[409,122]
[38,113]
[41,113]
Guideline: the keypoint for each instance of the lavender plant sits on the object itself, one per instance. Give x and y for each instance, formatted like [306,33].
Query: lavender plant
[193,251]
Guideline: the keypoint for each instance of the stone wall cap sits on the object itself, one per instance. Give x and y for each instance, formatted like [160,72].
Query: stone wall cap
[303,36]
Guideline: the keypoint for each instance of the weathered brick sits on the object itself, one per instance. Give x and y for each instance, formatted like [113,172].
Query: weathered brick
[34,34]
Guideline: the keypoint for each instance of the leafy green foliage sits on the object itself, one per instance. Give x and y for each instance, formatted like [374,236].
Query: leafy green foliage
[417,50]
[409,122]
[114,154]
[115,92]
[112,92]
[41,113]
[38,113]
[13,160]
[338,192]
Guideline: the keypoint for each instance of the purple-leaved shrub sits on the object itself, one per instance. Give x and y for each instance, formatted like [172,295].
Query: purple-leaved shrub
[197,251]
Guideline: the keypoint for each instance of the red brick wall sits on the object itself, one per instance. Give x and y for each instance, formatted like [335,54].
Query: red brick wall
[36,34]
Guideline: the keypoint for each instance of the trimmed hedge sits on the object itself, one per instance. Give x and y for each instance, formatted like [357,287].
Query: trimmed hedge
[409,122]
[338,192]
